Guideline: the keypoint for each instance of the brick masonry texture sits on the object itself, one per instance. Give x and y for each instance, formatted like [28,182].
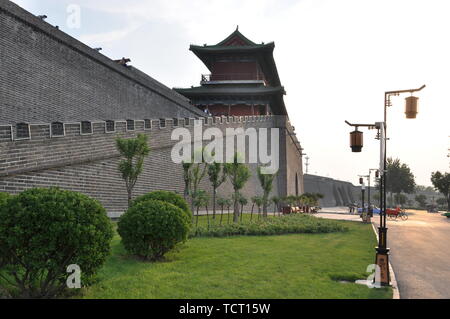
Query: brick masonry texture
[47,76]
[88,163]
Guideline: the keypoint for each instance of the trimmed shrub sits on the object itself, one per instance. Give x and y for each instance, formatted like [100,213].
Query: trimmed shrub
[151,228]
[3,198]
[165,196]
[42,232]
[289,224]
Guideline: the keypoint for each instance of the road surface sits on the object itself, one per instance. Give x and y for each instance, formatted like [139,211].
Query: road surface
[420,254]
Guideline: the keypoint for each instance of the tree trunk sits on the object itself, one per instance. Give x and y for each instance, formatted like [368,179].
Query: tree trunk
[221,215]
[265,207]
[251,214]
[214,203]
[448,203]
[196,221]
[236,207]
[207,215]
[129,198]
[186,191]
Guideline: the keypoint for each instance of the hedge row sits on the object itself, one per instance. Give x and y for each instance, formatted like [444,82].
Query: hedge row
[289,224]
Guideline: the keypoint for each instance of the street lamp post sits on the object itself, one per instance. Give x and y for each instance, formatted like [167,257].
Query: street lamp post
[382,255]
[368,193]
[363,188]
[382,251]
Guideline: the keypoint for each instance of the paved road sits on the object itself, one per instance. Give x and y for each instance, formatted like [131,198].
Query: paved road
[339,216]
[420,254]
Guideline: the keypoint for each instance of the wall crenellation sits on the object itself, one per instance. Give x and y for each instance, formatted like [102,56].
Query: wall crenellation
[8,132]
[88,163]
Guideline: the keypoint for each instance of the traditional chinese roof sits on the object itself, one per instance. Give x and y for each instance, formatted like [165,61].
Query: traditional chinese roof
[237,44]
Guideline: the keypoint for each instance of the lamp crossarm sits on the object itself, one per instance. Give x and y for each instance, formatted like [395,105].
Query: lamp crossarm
[370,126]
[405,91]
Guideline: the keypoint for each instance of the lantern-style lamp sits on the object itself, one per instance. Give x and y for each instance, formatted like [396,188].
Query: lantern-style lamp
[361,181]
[356,140]
[411,107]
[377,174]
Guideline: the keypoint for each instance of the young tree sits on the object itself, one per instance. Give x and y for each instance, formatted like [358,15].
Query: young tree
[441,183]
[238,174]
[228,203]
[134,150]
[242,201]
[217,176]
[221,202]
[276,202]
[253,199]
[259,201]
[198,171]
[266,181]
[187,178]
[200,198]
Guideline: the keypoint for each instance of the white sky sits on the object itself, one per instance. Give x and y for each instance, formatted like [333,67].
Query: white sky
[335,60]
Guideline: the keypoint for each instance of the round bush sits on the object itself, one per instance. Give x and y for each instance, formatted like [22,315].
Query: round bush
[149,229]
[166,196]
[43,231]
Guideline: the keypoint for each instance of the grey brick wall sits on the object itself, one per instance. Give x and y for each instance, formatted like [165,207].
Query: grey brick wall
[46,75]
[88,163]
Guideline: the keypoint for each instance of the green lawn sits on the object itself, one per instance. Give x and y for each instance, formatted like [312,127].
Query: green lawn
[285,266]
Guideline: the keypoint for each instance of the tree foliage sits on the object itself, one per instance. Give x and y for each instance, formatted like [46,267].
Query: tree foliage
[238,174]
[217,175]
[399,177]
[441,182]
[133,150]
[266,181]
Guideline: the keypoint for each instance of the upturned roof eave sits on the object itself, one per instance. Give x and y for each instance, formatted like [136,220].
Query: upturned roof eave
[226,49]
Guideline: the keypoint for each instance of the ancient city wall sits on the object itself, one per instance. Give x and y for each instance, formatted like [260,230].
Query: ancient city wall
[88,162]
[46,75]
[336,193]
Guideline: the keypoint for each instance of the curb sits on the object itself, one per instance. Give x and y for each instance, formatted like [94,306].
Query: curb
[395,290]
